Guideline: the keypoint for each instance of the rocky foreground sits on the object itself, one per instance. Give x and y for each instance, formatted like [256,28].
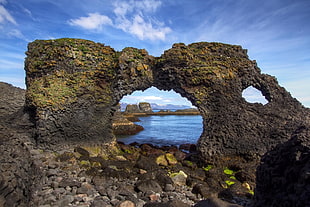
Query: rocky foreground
[57,147]
[110,175]
[137,175]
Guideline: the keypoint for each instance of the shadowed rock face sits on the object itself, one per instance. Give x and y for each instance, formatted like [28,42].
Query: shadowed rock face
[283,178]
[74,86]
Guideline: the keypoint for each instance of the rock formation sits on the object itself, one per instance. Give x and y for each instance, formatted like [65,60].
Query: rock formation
[73,90]
[145,107]
[142,107]
[74,84]
[122,126]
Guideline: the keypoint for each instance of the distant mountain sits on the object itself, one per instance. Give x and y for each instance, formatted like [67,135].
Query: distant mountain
[160,106]
[168,106]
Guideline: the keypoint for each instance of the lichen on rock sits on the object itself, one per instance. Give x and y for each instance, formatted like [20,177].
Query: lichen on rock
[74,86]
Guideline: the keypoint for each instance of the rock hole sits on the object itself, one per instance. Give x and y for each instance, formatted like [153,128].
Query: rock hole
[253,95]
[174,120]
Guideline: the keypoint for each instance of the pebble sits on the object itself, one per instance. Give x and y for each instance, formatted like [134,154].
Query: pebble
[68,184]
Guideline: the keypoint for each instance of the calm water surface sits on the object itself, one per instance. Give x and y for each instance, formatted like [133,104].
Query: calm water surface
[167,130]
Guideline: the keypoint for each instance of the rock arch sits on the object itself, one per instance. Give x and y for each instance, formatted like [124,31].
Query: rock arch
[73,87]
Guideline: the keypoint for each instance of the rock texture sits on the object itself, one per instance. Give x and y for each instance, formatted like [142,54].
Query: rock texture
[75,85]
[73,88]
[122,126]
[15,160]
[283,178]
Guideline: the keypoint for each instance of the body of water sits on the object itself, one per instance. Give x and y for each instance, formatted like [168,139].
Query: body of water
[167,130]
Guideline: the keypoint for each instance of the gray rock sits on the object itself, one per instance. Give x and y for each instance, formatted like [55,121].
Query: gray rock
[148,185]
[86,188]
[65,201]
[69,182]
[99,203]
[169,187]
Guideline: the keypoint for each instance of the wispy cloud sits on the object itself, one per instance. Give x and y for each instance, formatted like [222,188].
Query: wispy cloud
[9,65]
[133,17]
[5,16]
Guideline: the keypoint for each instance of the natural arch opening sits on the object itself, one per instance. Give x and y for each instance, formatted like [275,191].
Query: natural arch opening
[253,95]
[172,120]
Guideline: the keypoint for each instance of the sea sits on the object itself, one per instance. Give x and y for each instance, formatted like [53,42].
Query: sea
[167,130]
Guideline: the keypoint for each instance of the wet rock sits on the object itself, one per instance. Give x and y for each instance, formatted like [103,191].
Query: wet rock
[122,126]
[188,147]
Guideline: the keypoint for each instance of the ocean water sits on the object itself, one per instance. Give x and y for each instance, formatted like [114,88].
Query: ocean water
[167,130]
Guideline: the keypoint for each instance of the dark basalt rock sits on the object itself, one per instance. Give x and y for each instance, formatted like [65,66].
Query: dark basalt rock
[16,164]
[75,85]
[283,178]
[122,126]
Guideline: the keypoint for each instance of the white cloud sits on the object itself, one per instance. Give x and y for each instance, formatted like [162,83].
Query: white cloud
[142,98]
[92,22]
[124,7]
[252,95]
[142,29]
[133,17]
[6,16]
[16,33]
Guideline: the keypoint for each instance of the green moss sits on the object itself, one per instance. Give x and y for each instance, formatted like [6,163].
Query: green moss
[189,163]
[233,177]
[229,182]
[207,168]
[228,171]
[85,163]
[129,151]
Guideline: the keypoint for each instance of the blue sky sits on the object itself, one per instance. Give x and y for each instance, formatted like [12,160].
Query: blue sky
[275,32]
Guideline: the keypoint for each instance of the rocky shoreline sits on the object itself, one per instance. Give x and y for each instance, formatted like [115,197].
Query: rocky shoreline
[58,148]
[137,175]
[123,122]
[111,175]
